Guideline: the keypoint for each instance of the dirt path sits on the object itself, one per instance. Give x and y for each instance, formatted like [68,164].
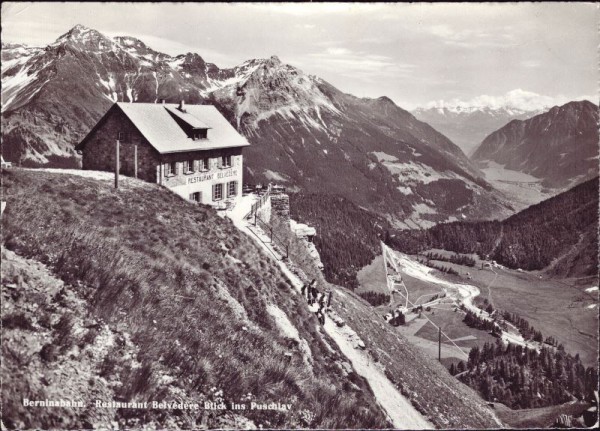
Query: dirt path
[398,408]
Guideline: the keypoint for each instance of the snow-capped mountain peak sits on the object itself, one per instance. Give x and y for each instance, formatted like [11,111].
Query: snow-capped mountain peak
[468,122]
[514,102]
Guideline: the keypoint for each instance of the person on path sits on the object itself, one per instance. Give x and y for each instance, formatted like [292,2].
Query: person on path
[313,290]
[321,317]
[322,301]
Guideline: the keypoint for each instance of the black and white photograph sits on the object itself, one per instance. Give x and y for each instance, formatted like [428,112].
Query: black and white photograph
[299,215]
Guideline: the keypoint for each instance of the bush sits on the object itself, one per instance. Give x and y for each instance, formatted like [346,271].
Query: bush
[48,353]
[17,321]
[375,298]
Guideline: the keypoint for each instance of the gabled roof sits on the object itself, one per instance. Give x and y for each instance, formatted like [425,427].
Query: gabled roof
[160,129]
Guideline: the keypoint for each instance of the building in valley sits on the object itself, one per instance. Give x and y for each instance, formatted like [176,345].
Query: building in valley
[191,149]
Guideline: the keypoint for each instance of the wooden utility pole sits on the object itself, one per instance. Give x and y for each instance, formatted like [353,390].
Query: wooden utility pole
[117,165]
[440,344]
[135,161]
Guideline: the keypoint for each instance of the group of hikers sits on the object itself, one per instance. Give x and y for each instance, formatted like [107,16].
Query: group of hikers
[313,296]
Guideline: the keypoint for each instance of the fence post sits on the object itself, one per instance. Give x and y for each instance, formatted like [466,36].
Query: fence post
[117,164]
[135,160]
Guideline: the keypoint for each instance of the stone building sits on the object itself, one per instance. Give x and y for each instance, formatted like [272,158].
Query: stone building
[191,149]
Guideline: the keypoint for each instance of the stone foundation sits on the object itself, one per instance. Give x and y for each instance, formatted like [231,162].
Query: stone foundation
[280,205]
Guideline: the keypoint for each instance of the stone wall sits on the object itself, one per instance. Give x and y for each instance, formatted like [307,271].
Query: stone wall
[280,205]
[99,152]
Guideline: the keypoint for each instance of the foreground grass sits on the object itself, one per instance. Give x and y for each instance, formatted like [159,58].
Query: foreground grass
[191,291]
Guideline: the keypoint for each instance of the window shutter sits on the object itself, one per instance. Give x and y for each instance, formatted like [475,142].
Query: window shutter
[196,167]
[214,189]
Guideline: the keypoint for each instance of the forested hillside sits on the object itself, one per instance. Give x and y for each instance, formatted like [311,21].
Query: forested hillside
[347,235]
[561,231]
[525,378]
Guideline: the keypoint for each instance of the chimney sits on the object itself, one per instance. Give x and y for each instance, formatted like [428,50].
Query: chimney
[162,101]
[182,106]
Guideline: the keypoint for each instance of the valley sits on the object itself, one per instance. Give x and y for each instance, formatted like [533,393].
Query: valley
[563,309]
[522,189]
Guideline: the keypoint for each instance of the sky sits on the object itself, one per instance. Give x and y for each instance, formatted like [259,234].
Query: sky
[414,53]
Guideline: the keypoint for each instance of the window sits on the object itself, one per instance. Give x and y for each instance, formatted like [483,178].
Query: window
[232,188]
[196,197]
[205,164]
[226,161]
[199,134]
[217,192]
[170,169]
[188,167]
[123,137]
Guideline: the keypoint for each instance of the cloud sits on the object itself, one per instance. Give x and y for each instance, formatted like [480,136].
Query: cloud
[338,51]
[356,64]
[307,9]
[531,63]
[472,38]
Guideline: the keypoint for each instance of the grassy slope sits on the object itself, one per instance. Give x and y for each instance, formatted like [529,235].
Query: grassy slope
[426,383]
[191,291]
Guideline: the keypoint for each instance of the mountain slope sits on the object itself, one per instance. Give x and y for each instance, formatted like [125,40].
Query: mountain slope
[559,234]
[559,146]
[196,310]
[305,133]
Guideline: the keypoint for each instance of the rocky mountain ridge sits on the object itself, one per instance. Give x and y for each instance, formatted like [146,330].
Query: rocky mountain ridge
[304,132]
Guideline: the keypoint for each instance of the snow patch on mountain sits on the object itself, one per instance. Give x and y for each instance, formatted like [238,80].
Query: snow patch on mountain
[12,86]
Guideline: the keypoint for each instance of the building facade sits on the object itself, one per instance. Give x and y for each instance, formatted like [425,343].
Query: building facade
[191,149]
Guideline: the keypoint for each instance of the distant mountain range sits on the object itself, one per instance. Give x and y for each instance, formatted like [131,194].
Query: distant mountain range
[559,146]
[304,132]
[468,122]
[467,128]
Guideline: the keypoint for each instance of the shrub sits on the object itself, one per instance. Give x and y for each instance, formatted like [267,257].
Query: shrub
[16,321]
[48,353]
